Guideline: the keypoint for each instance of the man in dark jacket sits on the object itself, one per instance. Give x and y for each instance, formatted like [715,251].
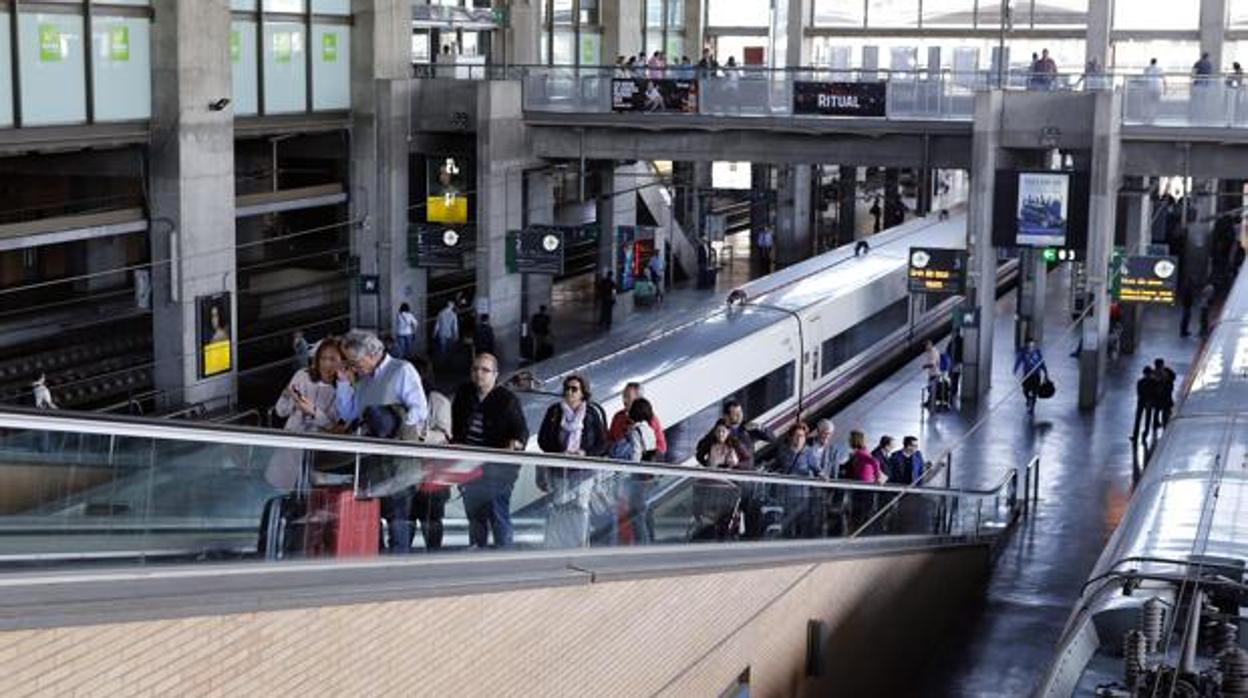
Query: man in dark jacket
[1145,404]
[1164,404]
[486,414]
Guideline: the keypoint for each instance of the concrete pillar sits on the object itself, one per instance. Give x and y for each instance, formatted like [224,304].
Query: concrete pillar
[1029,321]
[539,209]
[797,47]
[502,158]
[982,265]
[1106,178]
[694,28]
[793,240]
[192,191]
[847,198]
[1135,206]
[1100,24]
[617,205]
[380,153]
[1213,16]
[622,29]
[523,35]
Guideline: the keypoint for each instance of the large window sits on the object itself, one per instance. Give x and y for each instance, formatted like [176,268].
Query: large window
[1172,56]
[982,14]
[570,33]
[1156,15]
[861,337]
[1237,14]
[739,13]
[664,23]
[295,58]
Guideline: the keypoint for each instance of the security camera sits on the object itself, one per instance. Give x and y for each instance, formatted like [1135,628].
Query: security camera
[219,104]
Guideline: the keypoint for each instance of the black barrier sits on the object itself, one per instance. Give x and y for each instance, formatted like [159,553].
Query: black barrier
[861,99]
[654,95]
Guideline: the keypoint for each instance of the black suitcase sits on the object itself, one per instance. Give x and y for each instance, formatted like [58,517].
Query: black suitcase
[284,517]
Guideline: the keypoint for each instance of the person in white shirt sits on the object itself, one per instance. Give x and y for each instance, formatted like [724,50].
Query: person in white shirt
[446,329]
[308,404]
[1155,85]
[405,331]
[931,364]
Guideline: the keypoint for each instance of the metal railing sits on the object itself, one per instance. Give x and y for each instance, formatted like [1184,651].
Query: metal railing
[134,490]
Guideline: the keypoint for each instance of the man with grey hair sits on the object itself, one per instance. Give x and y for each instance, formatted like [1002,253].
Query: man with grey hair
[827,453]
[380,390]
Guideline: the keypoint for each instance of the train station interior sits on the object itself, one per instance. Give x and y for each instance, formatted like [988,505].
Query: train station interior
[712,348]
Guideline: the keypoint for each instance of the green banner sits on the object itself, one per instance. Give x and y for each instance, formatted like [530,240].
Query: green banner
[281,47]
[329,47]
[236,47]
[119,43]
[50,43]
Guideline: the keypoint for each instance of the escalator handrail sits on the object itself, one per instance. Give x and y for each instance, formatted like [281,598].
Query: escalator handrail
[61,421]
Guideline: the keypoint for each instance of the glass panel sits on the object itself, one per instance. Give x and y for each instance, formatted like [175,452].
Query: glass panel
[243,5]
[6,72]
[285,72]
[563,11]
[675,47]
[54,89]
[1061,13]
[591,48]
[420,46]
[122,67]
[135,3]
[840,13]
[243,67]
[589,12]
[331,7]
[1156,14]
[1172,56]
[331,66]
[297,6]
[893,13]
[654,42]
[654,13]
[675,13]
[949,13]
[565,47]
[1237,14]
[741,47]
[989,14]
[739,13]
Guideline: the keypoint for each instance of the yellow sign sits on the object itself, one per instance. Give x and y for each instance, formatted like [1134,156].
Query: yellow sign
[217,358]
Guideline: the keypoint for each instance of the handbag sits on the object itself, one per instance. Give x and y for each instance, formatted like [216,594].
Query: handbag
[1046,389]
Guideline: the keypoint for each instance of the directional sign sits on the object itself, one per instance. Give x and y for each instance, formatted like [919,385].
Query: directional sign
[937,270]
[1149,279]
[537,249]
[434,246]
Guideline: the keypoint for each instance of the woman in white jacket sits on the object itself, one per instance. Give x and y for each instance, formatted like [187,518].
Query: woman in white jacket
[307,404]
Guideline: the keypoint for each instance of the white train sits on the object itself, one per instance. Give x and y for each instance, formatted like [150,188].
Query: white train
[1162,612]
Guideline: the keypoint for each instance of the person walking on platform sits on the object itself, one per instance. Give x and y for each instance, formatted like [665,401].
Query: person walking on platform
[1146,392]
[405,324]
[1034,371]
[606,300]
[654,269]
[931,364]
[572,426]
[485,414]
[540,325]
[877,214]
[766,248]
[1164,404]
[446,329]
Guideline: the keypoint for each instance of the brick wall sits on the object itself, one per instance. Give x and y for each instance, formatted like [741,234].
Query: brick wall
[674,636]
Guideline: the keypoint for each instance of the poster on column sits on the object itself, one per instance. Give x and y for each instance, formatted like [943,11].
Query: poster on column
[654,95]
[861,99]
[213,334]
[1043,208]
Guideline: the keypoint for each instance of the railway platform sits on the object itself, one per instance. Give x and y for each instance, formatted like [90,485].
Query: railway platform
[1086,476]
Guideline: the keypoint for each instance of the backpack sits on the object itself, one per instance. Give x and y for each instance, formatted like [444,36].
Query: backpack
[623,448]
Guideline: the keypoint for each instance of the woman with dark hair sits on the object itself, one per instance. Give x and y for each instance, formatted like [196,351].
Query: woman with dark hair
[405,324]
[307,404]
[574,426]
[639,440]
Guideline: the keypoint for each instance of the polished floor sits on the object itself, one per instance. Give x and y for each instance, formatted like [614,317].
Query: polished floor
[1006,642]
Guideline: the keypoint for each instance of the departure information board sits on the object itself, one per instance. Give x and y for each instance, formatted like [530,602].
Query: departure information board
[937,270]
[1148,279]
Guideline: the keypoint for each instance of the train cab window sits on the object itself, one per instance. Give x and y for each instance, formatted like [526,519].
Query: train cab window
[864,335]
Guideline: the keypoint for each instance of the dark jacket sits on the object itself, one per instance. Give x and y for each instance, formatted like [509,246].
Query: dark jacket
[593,431]
[502,419]
[903,470]
[483,341]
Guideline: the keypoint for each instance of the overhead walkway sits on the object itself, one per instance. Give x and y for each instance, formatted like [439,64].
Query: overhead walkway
[146,529]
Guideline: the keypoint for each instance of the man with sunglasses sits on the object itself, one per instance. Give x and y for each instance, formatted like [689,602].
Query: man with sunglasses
[488,415]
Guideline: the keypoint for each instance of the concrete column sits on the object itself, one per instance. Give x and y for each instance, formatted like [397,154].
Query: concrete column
[847,197]
[380,118]
[501,163]
[1100,24]
[797,48]
[694,28]
[1135,205]
[192,191]
[1106,178]
[982,265]
[1213,16]
[617,205]
[622,28]
[524,33]
[1029,321]
[793,215]
[539,209]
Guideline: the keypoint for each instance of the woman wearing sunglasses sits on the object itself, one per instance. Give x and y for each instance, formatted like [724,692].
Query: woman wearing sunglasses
[574,426]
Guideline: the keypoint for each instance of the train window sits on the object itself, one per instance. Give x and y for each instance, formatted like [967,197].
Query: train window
[757,398]
[767,392]
[864,335]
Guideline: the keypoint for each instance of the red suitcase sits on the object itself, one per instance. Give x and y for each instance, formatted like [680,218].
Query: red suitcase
[339,525]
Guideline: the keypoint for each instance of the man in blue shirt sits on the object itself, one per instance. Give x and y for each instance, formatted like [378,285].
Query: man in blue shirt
[373,380]
[1031,361]
[905,467]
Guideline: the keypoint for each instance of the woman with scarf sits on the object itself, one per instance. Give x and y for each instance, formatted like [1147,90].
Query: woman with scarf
[577,427]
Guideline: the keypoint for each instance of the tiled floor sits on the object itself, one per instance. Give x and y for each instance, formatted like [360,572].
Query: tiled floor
[1006,642]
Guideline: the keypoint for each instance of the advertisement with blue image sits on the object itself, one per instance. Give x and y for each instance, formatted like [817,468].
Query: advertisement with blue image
[1043,204]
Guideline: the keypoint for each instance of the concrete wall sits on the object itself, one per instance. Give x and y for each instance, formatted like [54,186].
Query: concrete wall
[671,636]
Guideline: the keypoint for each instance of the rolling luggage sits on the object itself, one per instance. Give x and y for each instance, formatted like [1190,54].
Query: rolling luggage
[339,525]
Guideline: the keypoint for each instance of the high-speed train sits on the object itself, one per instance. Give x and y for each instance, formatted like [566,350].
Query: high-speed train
[1162,613]
[802,338]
